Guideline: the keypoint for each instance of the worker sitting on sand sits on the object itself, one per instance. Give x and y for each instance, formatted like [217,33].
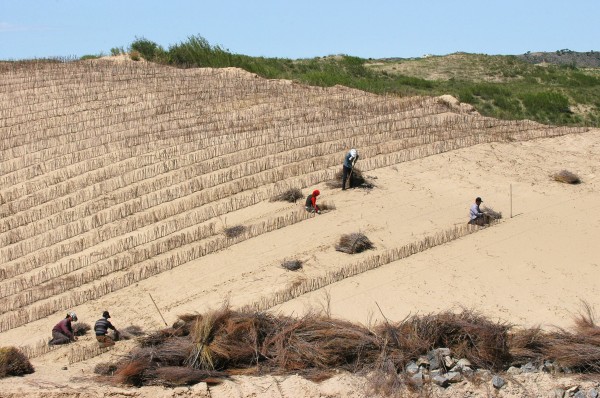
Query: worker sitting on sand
[349,161]
[101,328]
[476,216]
[311,202]
[62,332]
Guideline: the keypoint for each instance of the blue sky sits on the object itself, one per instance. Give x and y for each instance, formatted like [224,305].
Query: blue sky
[300,29]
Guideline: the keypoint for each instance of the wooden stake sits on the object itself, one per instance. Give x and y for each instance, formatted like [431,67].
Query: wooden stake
[159,313]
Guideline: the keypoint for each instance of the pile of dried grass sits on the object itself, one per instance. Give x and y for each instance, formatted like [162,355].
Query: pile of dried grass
[214,345]
[105,369]
[292,265]
[130,332]
[326,206]
[356,180]
[354,243]
[235,231]
[491,213]
[567,177]
[291,195]
[14,363]
[80,328]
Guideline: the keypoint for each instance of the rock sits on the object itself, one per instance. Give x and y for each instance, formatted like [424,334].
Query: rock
[558,393]
[467,371]
[548,367]
[483,374]
[572,390]
[436,372]
[498,382]
[440,381]
[449,361]
[454,377]
[412,368]
[423,361]
[417,379]
[579,394]
[463,362]
[529,367]
[514,371]
[593,393]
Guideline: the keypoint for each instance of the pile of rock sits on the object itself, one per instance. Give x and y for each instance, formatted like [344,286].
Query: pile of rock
[439,367]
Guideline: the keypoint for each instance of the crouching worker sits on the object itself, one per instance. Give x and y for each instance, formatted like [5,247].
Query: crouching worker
[101,328]
[476,216]
[62,332]
[311,202]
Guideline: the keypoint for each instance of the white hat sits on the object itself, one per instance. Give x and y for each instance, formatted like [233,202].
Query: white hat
[353,152]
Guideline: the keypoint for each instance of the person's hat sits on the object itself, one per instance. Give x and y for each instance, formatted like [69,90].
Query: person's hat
[478,199]
[353,152]
[73,316]
[105,314]
[316,192]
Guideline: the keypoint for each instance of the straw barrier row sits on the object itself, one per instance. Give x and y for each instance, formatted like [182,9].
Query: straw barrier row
[369,263]
[154,266]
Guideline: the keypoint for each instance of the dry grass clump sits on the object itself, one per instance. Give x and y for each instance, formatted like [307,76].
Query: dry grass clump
[130,332]
[292,265]
[354,243]
[291,195]
[214,345]
[567,177]
[14,363]
[105,368]
[80,328]
[491,213]
[326,206]
[356,180]
[234,231]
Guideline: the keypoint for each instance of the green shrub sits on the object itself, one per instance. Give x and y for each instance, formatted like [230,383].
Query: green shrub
[546,102]
[147,49]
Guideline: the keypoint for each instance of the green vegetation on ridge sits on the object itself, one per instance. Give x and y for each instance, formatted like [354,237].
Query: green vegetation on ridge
[499,86]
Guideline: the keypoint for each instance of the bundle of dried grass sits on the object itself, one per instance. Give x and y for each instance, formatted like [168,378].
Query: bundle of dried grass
[319,344]
[80,328]
[130,332]
[235,231]
[326,206]
[356,180]
[467,334]
[105,369]
[354,243]
[292,265]
[14,363]
[291,195]
[566,177]
[491,214]
[176,376]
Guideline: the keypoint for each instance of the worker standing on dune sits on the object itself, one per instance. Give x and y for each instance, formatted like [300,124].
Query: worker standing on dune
[349,161]
[311,202]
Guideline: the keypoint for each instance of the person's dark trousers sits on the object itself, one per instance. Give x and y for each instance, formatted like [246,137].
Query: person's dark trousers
[58,338]
[345,173]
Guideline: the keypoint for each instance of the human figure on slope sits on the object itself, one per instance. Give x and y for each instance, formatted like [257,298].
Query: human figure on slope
[62,332]
[349,161]
[311,202]
[101,328]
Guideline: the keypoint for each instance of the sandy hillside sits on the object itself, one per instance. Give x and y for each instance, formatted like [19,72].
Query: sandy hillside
[118,180]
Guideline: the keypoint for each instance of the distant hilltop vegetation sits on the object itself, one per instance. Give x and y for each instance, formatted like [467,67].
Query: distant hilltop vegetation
[590,59]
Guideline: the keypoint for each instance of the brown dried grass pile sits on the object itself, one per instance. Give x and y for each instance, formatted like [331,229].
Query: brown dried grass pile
[105,369]
[292,265]
[315,345]
[130,332]
[235,231]
[467,334]
[567,177]
[491,213]
[356,180]
[291,195]
[224,342]
[14,363]
[354,243]
[327,206]
[80,328]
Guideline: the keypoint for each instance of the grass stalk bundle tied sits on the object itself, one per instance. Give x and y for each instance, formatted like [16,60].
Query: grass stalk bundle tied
[291,195]
[292,265]
[354,243]
[235,231]
[14,363]
[567,177]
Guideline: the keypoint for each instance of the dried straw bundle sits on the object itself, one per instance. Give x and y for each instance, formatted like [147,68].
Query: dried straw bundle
[319,343]
[130,332]
[291,195]
[468,335]
[353,243]
[327,206]
[14,363]
[567,177]
[356,180]
[80,328]
[175,376]
[105,369]
[491,214]
[292,265]
[235,231]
